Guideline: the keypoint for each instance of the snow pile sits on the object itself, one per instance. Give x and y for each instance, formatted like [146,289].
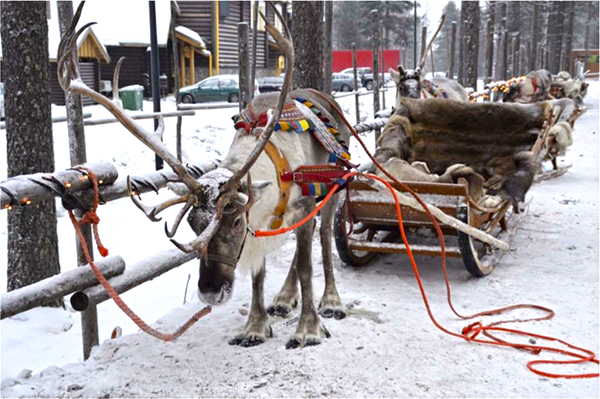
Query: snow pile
[386,347]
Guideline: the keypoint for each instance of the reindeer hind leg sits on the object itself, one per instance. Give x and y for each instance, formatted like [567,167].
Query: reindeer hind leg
[330,305]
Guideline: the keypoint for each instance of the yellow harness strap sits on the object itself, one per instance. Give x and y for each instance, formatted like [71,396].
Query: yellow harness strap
[281,166]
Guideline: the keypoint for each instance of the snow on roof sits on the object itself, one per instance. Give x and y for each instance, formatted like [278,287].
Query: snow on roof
[122,23]
[190,34]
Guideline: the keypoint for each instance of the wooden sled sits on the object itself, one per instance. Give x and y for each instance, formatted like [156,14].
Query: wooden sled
[366,224]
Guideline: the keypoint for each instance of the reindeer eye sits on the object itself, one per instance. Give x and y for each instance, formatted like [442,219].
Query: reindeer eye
[237,223]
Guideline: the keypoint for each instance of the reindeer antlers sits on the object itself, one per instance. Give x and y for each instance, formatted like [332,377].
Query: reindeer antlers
[424,58]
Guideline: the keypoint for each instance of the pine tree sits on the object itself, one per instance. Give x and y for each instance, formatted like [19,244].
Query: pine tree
[32,237]
[308,52]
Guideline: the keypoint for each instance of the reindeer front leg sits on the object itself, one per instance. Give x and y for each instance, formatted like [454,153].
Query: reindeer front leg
[287,298]
[309,330]
[330,305]
[257,328]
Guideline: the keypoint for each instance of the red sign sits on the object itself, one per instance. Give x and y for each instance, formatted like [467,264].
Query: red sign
[342,59]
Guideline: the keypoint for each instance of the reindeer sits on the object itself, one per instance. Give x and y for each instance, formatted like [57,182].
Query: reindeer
[225,210]
[535,87]
[411,84]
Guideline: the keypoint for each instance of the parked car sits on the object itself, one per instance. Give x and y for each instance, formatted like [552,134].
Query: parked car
[215,88]
[343,82]
[368,80]
[364,74]
[270,84]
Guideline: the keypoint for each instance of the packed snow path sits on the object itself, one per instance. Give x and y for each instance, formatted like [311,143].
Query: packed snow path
[386,347]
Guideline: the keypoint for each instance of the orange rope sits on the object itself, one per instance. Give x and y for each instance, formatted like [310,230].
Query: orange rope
[92,217]
[471,331]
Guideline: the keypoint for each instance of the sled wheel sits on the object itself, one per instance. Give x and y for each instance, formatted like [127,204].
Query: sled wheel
[472,250]
[341,228]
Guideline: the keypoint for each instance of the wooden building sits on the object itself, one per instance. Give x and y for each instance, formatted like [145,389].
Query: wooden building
[216,22]
[592,64]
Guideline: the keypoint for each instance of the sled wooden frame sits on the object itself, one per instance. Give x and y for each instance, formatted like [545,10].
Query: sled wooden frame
[366,213]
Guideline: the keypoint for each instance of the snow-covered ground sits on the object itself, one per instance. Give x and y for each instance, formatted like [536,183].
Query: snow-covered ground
[386,347]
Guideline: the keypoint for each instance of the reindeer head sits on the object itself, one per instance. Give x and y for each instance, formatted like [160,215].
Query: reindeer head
[218,203]
[408,83]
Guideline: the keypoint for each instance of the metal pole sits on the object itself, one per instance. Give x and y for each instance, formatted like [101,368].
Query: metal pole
[244,65]
[375,45]
[382,63]
[155,71]
[355,83]
[89,318]
[327,55]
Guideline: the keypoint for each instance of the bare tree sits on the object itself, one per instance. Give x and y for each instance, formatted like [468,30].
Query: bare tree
[308,25]
[32,237]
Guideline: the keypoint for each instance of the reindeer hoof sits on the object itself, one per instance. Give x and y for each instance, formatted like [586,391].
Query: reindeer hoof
[337,314]
[293,344]
[299,341]
[278,310]
[248,340]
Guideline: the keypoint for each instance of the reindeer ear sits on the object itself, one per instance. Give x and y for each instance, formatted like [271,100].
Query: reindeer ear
[395,76]
[418,71]
[401,70]
[259,188]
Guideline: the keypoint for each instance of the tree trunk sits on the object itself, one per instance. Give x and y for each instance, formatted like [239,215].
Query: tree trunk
[535,26]
[470,33]
[32,237]
[308,25]
[567,66]
[327,54]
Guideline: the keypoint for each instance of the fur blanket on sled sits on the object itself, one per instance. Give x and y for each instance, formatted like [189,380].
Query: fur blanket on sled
[488,143]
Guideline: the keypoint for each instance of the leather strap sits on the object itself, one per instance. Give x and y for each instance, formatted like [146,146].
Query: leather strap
[282,167]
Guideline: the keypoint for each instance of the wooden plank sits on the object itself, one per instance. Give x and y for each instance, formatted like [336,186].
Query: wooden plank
[418,187]
[395,248]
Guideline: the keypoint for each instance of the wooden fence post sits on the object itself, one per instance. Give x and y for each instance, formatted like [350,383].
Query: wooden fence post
[176,71]
[504,57]
[522,61]
[254,34]
[513,51]
[423,42]
[452,51]
[375,46]
[489,51]
[244,63]
[355,83]
[89,318]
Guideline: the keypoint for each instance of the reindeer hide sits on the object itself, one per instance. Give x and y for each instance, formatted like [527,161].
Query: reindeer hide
[491,138]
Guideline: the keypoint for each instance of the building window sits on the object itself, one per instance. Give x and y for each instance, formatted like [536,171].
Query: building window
[262,8]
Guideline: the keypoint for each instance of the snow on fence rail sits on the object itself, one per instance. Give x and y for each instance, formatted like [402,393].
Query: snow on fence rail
[94,122]
[23,190]
[56,287]
[56,119]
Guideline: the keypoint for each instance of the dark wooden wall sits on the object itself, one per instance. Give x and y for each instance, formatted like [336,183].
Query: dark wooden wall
[197,16]
[90,74]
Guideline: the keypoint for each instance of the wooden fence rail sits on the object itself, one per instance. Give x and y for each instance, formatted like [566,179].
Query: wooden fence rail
[56,287]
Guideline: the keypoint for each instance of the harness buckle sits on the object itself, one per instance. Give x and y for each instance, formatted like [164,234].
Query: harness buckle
[297,177]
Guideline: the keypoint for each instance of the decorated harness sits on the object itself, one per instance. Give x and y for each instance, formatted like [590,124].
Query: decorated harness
[433,89]
[314,180]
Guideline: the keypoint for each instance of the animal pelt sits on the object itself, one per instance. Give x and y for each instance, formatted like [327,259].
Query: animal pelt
[517,183]
[560,137]
[574,89]
[419,172]
[535,87]
[489,138]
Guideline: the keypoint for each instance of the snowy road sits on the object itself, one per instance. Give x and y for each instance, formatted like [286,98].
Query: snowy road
[387,347]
